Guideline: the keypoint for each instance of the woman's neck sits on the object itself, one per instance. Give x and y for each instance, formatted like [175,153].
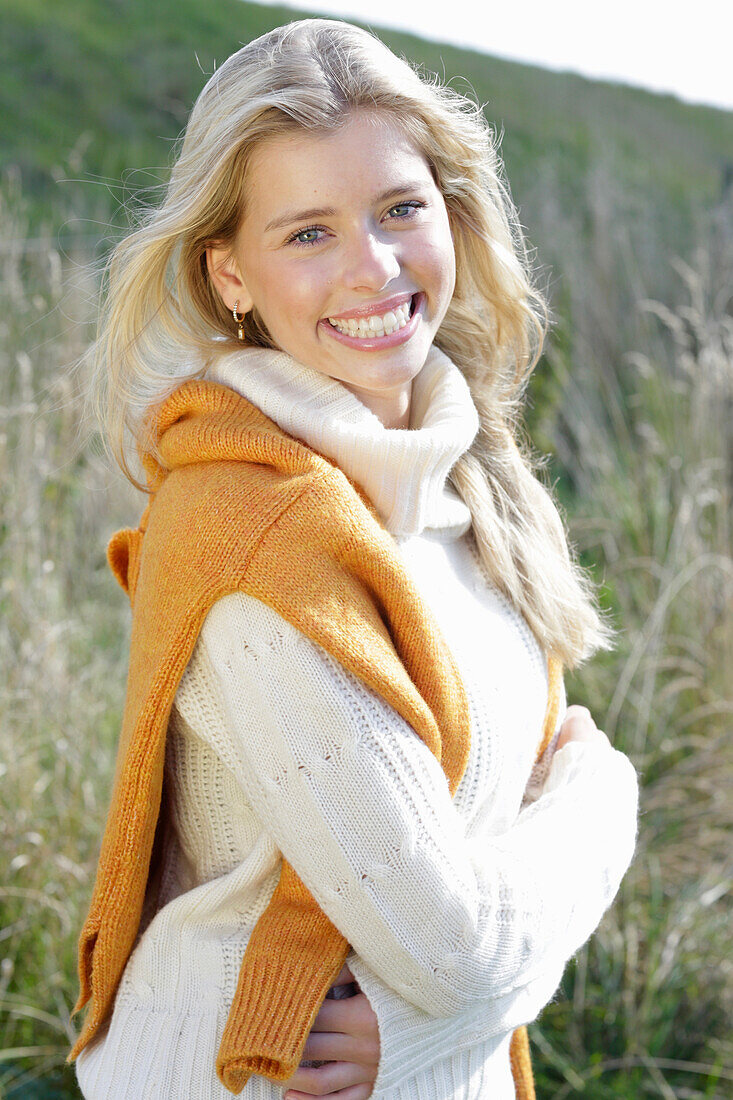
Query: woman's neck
[392,407]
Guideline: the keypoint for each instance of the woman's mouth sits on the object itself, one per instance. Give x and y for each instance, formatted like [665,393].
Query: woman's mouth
[374,331]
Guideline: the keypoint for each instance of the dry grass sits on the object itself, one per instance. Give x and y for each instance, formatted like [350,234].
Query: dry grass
[649,448]
[62,641]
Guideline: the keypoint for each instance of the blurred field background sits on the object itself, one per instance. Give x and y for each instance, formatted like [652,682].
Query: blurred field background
[628,198]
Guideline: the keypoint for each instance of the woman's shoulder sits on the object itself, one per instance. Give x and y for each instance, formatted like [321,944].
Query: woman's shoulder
[206,433]
[229,486]
[220,461]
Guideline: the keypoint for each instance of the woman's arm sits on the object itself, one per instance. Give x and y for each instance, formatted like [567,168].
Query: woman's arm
[361,809]
[410,1039]
[378,1040]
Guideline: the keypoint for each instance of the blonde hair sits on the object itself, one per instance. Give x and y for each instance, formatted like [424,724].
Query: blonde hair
[163,317]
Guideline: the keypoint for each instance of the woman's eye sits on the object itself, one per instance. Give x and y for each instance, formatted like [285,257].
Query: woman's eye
[405,209]
[306,236]
[313,234]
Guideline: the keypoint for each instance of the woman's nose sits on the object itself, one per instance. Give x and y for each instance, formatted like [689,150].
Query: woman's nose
[370,263]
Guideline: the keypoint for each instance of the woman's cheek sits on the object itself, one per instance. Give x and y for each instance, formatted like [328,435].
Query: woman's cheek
[301,290]
[447,264]
[279,297]
[309,288]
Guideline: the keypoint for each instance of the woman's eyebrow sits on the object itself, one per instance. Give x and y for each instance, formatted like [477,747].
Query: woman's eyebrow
[328,211]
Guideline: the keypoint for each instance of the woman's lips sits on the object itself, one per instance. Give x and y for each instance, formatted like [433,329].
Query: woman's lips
[379,343]
[379,308]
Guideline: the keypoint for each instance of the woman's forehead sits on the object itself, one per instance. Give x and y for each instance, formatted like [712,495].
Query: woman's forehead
[363,159]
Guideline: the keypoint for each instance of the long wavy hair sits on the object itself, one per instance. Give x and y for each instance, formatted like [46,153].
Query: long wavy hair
[163,319]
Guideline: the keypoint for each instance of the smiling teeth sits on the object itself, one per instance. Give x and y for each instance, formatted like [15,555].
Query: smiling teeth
[365,327]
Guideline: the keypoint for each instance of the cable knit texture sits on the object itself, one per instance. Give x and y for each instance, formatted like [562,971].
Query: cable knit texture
[288,758]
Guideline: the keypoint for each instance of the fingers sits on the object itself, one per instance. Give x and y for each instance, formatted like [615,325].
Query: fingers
[578,725]
[353,1035]
[575,710]
[352,1016]
[329,1079]
[344,1036]
[331,1047]
[354,1092]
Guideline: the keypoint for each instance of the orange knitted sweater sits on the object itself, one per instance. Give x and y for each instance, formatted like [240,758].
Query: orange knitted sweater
[238,505]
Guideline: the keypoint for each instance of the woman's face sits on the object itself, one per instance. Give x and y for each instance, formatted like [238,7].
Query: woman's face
[345,250]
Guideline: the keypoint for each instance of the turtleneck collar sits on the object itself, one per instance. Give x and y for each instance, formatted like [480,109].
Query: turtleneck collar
[403,471]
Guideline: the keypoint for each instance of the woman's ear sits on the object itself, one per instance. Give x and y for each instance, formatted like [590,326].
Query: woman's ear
[227,278]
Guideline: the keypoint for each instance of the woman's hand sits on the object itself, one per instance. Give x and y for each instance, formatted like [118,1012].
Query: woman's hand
[345,1036]
[578,725]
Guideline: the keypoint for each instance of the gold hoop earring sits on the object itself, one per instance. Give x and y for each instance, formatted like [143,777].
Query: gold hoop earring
[239,318]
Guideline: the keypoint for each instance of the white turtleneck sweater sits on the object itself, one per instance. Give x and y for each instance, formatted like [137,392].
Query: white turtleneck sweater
[462,912]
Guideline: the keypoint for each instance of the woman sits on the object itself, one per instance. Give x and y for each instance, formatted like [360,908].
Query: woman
[351,598]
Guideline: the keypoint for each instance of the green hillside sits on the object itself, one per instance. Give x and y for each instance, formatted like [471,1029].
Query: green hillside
[101,88]
[612,182]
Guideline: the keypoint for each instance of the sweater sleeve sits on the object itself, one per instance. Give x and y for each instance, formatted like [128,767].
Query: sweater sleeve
[412,1039]
[361,809]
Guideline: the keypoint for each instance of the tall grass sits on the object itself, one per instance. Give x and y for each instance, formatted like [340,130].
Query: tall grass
[62,641]
[644,446]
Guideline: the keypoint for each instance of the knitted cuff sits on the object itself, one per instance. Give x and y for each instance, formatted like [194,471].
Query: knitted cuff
[293,957]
